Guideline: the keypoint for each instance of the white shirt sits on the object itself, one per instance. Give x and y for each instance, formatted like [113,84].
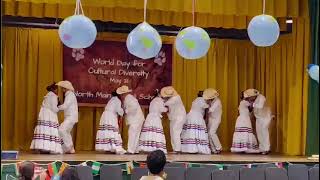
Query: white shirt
[215,109]
[157,106]
[70,106]
[259,108]
[176,107]
[199,105]
[132,109]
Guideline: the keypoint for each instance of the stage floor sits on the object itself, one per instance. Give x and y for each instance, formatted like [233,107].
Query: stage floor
[224,157]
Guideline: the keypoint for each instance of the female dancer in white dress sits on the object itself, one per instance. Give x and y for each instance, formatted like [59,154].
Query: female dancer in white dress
[194,136]
[46,137]
[244,141]
[108,137]
[152,136]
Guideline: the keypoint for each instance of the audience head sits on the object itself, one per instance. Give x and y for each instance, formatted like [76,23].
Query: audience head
[26,170]
[70,173]
[156,161]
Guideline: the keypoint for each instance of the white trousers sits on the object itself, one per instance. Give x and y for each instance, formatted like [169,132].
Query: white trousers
[175,133]
[133,137]
[65,134]
[262,129]
[213,137]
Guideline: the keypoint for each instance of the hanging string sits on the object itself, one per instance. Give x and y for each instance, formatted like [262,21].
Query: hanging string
[145,10]
[264,7]
[193,7]
[78,8]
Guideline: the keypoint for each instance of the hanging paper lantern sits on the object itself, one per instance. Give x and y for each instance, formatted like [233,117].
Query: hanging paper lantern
[192,43]
[144,41]
[313,71]
[77,31]
[263,30]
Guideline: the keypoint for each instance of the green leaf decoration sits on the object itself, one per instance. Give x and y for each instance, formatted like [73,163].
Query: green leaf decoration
[189,43]
[147,43]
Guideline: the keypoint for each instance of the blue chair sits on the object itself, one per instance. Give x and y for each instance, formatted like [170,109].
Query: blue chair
[175,173]
[252,174]
[224,175]
[314,173]
[137,173]
[276,174]
[198,173]
[111,172]
[298,172]
[84,172]
[236,170]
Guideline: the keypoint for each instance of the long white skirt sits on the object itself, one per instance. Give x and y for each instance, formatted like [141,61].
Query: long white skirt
[194,136]
[152,135]
[108,136]
[46,134]
[243,138]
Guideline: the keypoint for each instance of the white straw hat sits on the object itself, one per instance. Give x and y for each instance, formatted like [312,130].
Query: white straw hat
[123,89]
[66,84]
[250,93]
[210,93]
[168,91]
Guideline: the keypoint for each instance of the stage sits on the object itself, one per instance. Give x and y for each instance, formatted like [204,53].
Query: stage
[223,158]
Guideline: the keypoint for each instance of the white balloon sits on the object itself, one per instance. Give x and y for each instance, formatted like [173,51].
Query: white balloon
[263,30]
[313,71]
[144,41]
[192,43]
[77,31]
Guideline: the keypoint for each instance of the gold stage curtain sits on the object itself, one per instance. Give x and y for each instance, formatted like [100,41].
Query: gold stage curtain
[220,15]
[278,8]
[32,59]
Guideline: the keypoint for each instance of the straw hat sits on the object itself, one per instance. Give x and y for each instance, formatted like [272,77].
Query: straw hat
[66,84]
[168,91]
[123,89]
[210,93]
[250,93]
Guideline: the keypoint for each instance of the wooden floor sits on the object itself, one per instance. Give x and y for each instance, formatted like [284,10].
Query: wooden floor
[224,157]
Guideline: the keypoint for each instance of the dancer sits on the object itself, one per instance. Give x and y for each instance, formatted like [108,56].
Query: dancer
[263,117]
[194,136]
[243,137]
[70,108]
[108,136]
[177,115]
[152,135]
[46,137]
[214,113]
[134,118]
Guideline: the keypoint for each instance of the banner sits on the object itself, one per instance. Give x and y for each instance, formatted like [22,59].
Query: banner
[100,69]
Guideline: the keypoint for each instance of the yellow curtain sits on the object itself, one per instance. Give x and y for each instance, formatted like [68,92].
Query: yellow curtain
[32,59]
[278,8]
[131,12]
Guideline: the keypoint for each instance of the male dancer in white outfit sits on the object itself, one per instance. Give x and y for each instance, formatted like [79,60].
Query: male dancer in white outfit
[134,118]
[70,108]
[214,113]
[263,116]
[177,115]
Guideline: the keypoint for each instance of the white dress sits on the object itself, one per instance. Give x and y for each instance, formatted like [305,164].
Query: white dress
[243,138]
[152,135]
[46,135]
[194,136]
[108,136]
